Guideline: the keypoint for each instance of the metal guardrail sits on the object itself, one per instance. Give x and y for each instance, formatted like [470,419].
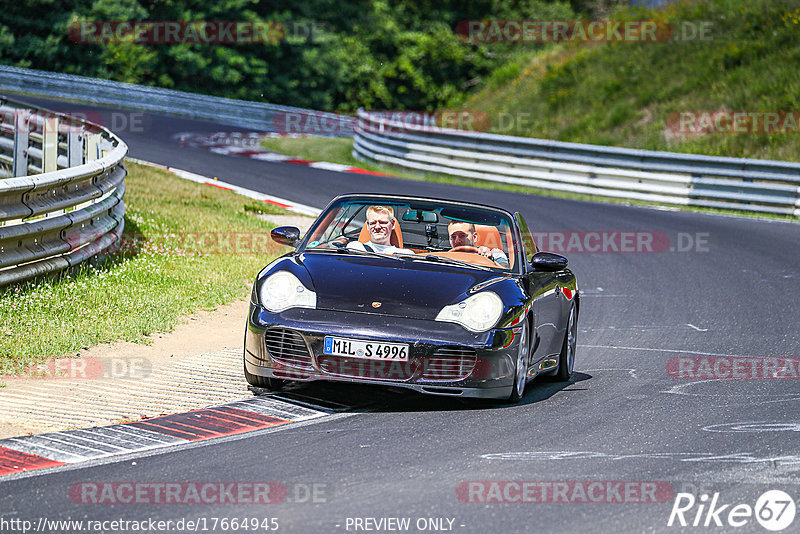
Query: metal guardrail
[241,113]
[62,183]
[672,178]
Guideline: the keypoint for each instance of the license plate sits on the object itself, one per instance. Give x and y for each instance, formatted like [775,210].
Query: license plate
[370,350]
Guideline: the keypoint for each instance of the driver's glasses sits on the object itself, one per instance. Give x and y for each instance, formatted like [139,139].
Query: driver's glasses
[378,222]
[459,236]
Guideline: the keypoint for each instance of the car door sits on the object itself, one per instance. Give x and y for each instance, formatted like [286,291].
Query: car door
[543,287]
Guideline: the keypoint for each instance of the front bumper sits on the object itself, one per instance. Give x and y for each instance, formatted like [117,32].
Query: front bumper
[444,358]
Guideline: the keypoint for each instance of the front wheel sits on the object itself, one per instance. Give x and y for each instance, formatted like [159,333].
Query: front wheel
[566,360]
[521,367]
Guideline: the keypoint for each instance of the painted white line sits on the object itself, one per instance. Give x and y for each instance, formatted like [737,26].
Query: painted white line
[676,351]
[270,156]
[738,457]
[697,328]
[727,397]
[755,426]
[631,372]
[632,327]
[249,193]
[338,167]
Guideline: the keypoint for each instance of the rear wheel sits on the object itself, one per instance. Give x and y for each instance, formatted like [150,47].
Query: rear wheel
[566,361]
[265,382]
[521,366]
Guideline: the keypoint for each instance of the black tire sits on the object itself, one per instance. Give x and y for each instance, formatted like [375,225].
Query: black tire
[566,360]
[273,384]
[523,356]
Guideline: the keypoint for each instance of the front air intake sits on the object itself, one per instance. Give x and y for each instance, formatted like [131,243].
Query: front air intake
[449,364]
[288,348]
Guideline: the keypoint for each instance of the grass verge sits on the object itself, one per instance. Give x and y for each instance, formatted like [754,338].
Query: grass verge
[722,56]
[190,247]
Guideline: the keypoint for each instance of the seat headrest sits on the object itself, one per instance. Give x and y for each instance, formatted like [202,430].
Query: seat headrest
[396,238]
[488,236]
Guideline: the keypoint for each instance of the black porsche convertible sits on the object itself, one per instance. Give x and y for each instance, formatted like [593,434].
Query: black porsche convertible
[443,297]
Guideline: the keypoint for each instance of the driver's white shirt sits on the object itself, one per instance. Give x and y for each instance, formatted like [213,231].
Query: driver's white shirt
[498,256]
[381,249]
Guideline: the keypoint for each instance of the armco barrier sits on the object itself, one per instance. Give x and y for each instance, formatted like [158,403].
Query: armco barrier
[62,183]
[683,179]
[241,113]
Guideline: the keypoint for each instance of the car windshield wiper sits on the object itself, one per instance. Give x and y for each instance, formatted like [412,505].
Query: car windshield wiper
[345,250]
[445,259]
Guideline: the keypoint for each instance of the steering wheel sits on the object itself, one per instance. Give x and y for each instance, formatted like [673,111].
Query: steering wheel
[339,242]
[465,248]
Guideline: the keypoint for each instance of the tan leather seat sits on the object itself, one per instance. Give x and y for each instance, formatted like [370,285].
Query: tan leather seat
[489,236]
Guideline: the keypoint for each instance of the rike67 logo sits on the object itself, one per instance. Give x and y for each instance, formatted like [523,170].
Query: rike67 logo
[774,510]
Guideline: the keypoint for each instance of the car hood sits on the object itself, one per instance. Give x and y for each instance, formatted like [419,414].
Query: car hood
[386,286]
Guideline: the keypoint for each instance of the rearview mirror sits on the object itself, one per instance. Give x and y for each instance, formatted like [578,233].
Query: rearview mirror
[285,235]
[421,216]
[547,261]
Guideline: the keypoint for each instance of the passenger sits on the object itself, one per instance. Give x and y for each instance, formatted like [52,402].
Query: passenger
[463,234]
[380,223]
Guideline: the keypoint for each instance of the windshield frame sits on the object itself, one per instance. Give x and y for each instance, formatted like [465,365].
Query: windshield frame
[326,217]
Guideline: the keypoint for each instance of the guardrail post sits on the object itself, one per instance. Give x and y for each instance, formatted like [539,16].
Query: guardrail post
[74,146]
[797,202]
[50,144]
[21,139]
[92,142]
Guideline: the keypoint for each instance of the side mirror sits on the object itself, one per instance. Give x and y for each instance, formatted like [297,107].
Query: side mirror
[547,261]
[285,235]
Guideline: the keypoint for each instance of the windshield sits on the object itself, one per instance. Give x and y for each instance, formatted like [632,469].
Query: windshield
[417,230]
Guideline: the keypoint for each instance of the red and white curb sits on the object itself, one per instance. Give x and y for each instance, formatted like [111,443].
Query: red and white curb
[42,451]
[219,184]
[254,151]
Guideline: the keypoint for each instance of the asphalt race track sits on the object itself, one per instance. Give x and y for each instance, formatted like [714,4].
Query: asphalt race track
[670,393]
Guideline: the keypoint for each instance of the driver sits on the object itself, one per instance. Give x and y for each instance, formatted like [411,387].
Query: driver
[463,234]
[380,223]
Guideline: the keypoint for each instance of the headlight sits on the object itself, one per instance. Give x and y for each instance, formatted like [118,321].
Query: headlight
[284,290]
[477,313]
